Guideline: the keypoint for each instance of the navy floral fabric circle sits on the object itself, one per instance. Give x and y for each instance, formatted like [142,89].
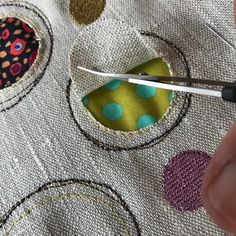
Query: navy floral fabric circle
[18,50]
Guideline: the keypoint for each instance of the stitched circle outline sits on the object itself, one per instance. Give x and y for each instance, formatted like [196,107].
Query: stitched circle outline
[154,141]
[33,84]
[56,184]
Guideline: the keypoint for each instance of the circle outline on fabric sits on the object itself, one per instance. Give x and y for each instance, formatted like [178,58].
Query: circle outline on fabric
[78,189]
[120,140]
[30,14]
[24,46]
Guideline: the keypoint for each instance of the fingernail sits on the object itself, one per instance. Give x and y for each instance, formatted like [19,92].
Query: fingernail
[222,193]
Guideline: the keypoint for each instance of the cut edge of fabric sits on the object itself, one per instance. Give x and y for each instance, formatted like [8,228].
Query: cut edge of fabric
[131,133]
[37,43]
[40,53]
[35,18]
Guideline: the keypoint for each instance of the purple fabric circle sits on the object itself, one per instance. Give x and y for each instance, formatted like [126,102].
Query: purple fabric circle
[16,68]
[183,178]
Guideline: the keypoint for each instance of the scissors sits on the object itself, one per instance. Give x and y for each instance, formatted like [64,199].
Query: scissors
[181,84]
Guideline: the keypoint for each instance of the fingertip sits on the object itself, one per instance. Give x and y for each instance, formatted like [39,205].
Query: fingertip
[219,198]
[219,184]
[225,153]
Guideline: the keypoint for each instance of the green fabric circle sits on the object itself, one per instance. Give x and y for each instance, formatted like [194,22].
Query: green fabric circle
[115,84]
[146,120]
[85,101]
[112,111]
[145,91]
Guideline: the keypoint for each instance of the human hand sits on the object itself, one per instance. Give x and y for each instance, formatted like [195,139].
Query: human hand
[219,184]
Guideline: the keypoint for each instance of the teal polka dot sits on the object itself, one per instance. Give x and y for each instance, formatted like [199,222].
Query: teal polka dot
[145,91]
[146,120]
[85,101]
[112,111]
[171,96]
[115,84]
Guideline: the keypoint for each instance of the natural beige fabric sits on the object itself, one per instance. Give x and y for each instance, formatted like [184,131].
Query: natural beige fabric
[41,141]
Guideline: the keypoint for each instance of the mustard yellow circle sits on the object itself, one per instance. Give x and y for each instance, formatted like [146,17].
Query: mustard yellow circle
[85,12]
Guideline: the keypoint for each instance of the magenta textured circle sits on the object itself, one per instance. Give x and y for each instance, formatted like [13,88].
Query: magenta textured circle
[183,178]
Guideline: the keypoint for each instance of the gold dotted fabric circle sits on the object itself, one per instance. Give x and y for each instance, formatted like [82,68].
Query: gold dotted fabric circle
[85,12]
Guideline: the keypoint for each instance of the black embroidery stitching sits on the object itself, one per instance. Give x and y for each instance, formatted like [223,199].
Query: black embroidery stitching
[176,49]
[35,82]
[154,141]
[62,183]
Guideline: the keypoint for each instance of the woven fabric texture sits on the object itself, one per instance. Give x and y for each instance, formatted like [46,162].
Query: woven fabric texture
[116,178]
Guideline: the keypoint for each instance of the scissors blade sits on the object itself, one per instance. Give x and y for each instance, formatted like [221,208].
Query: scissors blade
[126,77]
[143,80]
[187,89]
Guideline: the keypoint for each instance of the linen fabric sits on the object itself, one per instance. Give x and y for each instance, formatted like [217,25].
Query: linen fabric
[109,182]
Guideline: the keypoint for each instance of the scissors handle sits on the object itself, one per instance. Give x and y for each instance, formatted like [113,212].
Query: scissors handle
[229,94]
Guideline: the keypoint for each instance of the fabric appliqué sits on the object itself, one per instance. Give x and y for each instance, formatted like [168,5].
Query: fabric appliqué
[182,179]
[128,107]
[18,50]
[85,12]
[107,210]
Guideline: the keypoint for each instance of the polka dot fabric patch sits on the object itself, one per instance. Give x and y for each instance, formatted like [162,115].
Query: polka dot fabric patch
[18,50]
[183,179]
[128,107]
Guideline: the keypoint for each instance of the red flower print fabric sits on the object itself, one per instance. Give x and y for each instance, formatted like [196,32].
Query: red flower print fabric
[18,50]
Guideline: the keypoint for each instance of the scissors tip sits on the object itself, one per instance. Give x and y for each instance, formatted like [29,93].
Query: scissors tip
[85,69]
[91,71]
[81,68]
